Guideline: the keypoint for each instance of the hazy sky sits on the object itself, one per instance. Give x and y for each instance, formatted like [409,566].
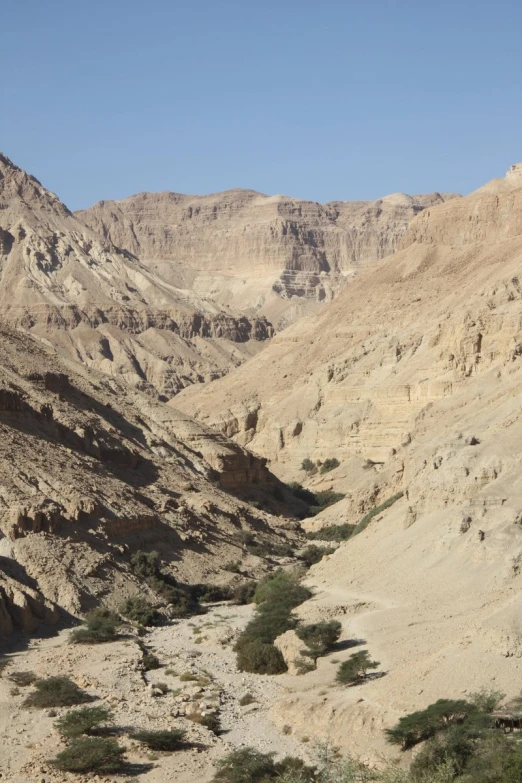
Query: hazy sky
[324,100]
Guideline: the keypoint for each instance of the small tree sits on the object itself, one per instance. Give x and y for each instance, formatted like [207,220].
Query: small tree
[90,754]
[56,692]
[83,721]
[355,669]
[319,637]
[167,740]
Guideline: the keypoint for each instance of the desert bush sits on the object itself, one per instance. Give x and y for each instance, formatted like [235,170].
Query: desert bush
[319,637]
[100,626]
[90,754]
[83,721]
[276,596]
[307,465]
[22,679]
[260,658]
[329,464]
[248,765]
[282,590]
[314,554]
[211,593]
[354,670]
[56,692]
[423,724]
[244,593]
[146,564]
[181,601]
[150,661]
[246,699]
[139,610]
[300,492]
[332,533]
[267,625]
[167,740]
[365,521]
[234,566]
[324,499]
[210,722]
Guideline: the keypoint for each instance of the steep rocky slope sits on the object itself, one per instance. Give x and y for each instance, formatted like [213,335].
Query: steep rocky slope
[411,378]
[266,254]
[91,471]
[99,304]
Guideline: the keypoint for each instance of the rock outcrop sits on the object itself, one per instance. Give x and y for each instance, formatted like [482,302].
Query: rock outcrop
[92,470]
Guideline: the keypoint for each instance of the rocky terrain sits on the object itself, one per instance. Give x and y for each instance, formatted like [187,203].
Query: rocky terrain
[411,379]
[270,255]
[91,471]
[100,305]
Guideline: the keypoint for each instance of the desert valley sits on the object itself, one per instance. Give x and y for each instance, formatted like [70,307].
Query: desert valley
[260,496]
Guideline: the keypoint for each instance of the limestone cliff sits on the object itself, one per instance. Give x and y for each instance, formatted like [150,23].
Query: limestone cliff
[252,250]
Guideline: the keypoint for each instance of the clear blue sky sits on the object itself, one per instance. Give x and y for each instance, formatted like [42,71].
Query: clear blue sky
[324,100]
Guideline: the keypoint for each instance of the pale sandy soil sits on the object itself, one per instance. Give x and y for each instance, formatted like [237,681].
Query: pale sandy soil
[111,673]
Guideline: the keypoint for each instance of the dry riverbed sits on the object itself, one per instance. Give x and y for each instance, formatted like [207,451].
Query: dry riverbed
[198,668]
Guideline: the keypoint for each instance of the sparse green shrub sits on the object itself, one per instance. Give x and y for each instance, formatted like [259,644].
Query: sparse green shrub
[307,465]
[329,464]
[260,658]
[314,554]
[423,724]
[83,721]
[300,492]
[139,610]
[354,670]
[282,590]
[246,700]
[244,593]
[234,566]
[150,662]
[56,692]
[180,599]
[146,564]
[166,740]
[100,626]
[210,722]
[332,533]
[90,754]
[324,499]
[22,679]
[365,521]
[211,593]
[248,765]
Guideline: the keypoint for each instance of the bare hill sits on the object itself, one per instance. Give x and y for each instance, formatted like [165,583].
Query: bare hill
[64,283]
[273,255]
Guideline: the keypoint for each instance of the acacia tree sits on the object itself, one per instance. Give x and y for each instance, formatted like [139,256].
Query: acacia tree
[356,668]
